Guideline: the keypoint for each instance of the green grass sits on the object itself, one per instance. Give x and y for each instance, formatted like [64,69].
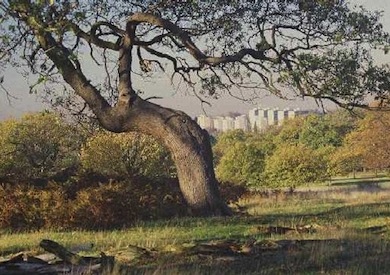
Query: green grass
[351,236]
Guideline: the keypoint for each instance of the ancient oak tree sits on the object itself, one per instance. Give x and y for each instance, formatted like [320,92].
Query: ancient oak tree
[320,49]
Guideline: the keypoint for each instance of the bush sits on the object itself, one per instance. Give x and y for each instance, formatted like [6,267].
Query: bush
[28,208]
[232,192]
[120,156]
[120,204]
[7,149]
[243,163]
[38,148]
[293,165]
[225,140]
[101,206]
[345,160]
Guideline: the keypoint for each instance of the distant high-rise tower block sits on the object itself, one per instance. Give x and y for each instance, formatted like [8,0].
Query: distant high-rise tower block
[227,124]
[258,119]
[241,122]
[205,122]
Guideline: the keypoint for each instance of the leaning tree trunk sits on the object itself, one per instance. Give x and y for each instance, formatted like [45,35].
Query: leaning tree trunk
[190,148]
[187,142]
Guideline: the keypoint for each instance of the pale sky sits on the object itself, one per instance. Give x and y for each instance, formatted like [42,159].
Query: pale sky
[25,102]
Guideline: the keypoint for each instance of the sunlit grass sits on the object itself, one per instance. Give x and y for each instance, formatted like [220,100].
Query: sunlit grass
[150,235]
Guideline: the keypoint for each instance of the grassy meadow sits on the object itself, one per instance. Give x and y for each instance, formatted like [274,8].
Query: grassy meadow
[341,227]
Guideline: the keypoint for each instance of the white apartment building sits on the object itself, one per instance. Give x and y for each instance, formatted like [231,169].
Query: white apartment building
[282,115]
[227,124]
[241,122]
[292,114]
[218,123]
[258,119]
[205,122]
[272,116]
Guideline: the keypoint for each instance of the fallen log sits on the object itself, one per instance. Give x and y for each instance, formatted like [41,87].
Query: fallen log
[62,253]
[69,263]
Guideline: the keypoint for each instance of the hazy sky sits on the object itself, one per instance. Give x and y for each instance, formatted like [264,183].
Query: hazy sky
[25,102]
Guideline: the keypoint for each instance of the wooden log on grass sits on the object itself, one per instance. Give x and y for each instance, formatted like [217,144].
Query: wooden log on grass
[71,263]
[104,263]
[62,253]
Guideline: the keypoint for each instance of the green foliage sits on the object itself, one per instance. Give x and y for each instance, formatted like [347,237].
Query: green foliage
[319,135]
[290,131]
[343,121]
[42,147]
[225,141]
[318,132]
[339,76]
[326,153]
[241,155]
[371,140]
[126,155]
[39,146]
[243,163]
[345,160]
[292,165]
[6,148]
[298,152]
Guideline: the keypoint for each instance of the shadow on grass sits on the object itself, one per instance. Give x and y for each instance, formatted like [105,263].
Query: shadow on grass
[350,256]
[362,252]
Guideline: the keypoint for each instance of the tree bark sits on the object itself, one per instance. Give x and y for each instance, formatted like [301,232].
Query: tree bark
[190,148]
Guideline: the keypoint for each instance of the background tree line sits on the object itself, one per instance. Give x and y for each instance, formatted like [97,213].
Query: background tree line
[43,147]
[305,150]
[58,174]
